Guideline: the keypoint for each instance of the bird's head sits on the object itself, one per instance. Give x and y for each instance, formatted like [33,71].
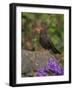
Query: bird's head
[39,30]
[39,27]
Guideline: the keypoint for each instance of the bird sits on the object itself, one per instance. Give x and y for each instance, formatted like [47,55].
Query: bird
[44,40]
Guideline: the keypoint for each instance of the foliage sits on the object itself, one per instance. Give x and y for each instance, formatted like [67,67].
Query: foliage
[54,24]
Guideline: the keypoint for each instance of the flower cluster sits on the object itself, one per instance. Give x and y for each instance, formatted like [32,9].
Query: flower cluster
[41,72]
[52,66]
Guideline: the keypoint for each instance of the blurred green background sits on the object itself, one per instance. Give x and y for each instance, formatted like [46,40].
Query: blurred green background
[54,24]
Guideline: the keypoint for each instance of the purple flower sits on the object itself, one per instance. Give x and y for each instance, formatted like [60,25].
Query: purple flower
[41,72]
[54,66]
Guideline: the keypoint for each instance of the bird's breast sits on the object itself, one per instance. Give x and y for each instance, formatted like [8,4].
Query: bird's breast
[44,42]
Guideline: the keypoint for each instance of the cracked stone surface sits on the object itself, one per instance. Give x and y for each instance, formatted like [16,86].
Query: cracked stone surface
[33,60]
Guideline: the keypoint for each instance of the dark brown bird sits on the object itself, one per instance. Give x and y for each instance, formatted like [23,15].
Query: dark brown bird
[44,40]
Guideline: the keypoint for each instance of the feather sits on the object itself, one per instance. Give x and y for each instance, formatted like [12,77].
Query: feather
[47,43]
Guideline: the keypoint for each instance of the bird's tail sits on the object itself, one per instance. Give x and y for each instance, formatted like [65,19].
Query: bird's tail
[55,50]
